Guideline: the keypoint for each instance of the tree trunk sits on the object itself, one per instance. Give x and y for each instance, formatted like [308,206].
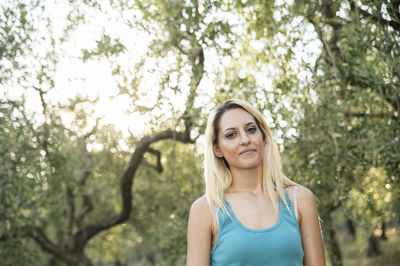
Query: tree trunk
[335,255]
[351,227]
[78,259]
[151,259]
[54,261]
[374,248]
[118,263]
[383,234]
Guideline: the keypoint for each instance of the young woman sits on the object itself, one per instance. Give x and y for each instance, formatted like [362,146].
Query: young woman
[251,214]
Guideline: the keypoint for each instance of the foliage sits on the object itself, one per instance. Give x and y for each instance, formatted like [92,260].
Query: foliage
[324,73]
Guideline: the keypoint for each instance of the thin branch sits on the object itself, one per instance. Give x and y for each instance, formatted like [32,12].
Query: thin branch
[44,105]
[327,46]
[379,19]
[94,129]
[88,162]
[44,143]
[365,115]
[71,203]
[87,207]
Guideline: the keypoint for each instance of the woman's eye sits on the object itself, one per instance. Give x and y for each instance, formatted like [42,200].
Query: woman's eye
[230,135]
[252,129]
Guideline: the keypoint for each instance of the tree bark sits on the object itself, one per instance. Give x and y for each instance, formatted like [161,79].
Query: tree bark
[351,227]
[373,248]
[383,234]
[335,255]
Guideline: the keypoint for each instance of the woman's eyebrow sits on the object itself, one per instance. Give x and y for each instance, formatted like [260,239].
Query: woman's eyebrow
[249,123]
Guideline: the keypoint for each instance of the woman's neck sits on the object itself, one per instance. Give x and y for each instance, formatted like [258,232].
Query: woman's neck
[247,180]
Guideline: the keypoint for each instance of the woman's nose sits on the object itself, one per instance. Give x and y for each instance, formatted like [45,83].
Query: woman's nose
[244,138]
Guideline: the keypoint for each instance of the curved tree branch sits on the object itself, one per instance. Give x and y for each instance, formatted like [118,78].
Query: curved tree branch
[84,234]
[158,167]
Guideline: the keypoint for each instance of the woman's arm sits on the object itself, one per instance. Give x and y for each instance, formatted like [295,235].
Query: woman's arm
[199,234]
[313,246]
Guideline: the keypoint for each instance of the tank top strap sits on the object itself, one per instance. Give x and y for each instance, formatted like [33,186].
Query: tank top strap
[287,197]
[289,202]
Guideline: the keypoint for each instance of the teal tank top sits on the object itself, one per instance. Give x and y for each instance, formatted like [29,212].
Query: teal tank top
[279,245]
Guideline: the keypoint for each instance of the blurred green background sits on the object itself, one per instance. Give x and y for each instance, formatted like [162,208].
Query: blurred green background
[103,106]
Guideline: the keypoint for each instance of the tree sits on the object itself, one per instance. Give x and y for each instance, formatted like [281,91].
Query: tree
[67,216]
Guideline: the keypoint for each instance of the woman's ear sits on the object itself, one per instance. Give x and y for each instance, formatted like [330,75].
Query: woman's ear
[217,151]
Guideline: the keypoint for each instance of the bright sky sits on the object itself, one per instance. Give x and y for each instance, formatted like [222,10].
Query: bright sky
[92,78]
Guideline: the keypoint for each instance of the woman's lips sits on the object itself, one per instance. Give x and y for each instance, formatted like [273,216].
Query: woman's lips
[247,151]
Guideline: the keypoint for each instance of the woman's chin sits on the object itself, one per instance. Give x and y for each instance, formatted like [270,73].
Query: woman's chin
[248,165]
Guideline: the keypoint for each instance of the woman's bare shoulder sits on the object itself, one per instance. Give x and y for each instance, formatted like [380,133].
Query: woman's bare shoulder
[200,214]
[301,190]
[307,203]
[200,207]
[305,193]
[200,203]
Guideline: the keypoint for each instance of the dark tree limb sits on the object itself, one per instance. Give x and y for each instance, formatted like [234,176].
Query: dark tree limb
[158,167]
[45,243]
[378,19]
[198,71]
[71,204]
[393,9]
[84,234]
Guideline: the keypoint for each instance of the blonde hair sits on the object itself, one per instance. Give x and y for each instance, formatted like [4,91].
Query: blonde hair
[217,174]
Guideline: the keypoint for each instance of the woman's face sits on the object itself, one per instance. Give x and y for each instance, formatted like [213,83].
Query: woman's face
[239,140]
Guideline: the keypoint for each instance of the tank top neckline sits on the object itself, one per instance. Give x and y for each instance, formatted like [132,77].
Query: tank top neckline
[273,227]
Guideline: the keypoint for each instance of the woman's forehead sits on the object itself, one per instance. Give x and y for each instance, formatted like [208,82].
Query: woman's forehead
[235,118]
